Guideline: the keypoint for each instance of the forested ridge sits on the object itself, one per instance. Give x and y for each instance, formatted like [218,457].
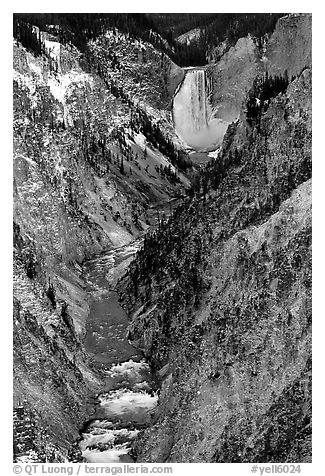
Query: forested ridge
[211,297]
[215,28]
[218,295]
[235,177]
[214,175]
[161,30]
[89,162]
[79,28]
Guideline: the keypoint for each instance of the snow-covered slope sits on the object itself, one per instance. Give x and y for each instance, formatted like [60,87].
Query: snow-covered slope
[86,175]
[189,36]
[146,75]
[226,316]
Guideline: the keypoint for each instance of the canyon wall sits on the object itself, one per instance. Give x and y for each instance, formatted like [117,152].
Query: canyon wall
[85,176]
[220,298]
[228,80]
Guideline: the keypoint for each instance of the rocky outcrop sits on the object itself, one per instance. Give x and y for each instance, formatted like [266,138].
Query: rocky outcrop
[85,177]
[220,300]
[231,78]
[210,98]
[219,296]
[144,73]
[290,46]
[286,51]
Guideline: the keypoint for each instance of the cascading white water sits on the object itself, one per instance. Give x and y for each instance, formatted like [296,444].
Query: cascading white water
[192,113]
[129,390]
[198,100]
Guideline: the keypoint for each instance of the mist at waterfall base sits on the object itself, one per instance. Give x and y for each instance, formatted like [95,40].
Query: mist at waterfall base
[192,114]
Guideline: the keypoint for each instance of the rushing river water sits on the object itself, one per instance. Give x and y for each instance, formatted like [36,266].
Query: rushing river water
[129,393]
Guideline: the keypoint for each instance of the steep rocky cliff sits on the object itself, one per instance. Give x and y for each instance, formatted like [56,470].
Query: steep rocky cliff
[141,70]
[90,161]
[230,79]
[220,298]
[287,49]
[290,47]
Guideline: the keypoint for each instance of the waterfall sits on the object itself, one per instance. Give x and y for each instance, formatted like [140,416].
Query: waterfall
[192,112]
[198,105]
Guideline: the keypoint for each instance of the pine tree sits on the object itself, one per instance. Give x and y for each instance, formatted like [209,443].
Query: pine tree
[122,167]
[51,294]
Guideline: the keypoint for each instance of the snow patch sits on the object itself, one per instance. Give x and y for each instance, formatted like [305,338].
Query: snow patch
[35,68]
[28,159]
[214,153]
[59,85]
[189,36]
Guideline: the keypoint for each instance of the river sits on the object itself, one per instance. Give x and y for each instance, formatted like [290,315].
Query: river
[129,393]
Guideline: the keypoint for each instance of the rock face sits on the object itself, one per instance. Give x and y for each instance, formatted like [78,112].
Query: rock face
[229,79]
[288,49]
[220,296]
[85,174]
[220,299]
[226,84]
[189,36]
[290,46]
[145,73]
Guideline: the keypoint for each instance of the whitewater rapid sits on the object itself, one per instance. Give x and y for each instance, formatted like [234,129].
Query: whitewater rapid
[129,393]
[120,415]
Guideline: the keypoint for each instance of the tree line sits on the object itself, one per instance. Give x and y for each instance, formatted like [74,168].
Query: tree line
[215,29]
[79,28]
[264,88]
[161,30]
